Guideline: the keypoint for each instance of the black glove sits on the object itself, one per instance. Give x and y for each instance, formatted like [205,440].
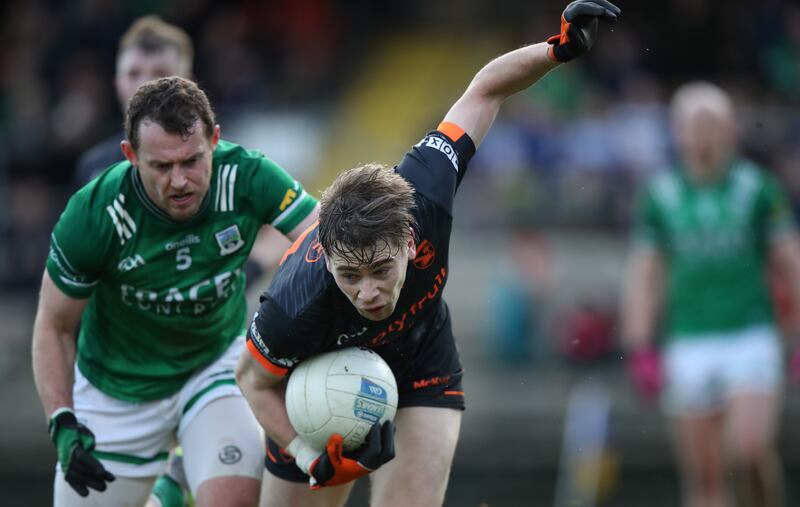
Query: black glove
[579,28]
[74,443]
[335,466]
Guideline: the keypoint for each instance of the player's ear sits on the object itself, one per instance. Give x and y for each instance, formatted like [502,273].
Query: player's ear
[412,247]
[128,151]
[328,263]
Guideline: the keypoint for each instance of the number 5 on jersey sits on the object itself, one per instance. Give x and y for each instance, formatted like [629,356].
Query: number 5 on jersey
[183,258]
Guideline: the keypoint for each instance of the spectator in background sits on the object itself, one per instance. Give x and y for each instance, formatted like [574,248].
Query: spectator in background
[150,49]
[705,233]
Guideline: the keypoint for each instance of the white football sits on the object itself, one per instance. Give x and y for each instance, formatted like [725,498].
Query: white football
[344,391]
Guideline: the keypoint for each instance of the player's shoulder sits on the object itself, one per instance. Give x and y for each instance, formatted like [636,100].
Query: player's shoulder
[665,186]
[746,172]
[230,153]
[112,185]
[302,280]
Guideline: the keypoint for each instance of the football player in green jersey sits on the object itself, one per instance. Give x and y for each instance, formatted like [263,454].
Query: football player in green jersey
[705,233]
[148,256]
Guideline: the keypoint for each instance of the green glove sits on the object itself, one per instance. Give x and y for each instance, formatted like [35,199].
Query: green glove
[74,443]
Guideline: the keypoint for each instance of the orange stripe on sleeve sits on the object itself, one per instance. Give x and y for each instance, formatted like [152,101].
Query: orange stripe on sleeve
[292,249]
[451,130]
[454,393]
[266,363]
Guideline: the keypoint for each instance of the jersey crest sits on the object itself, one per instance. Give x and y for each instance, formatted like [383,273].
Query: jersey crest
[229,240]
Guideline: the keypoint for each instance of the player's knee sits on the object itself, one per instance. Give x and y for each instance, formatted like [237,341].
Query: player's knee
[234,452]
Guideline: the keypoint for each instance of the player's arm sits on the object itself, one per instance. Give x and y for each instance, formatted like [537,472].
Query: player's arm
[57,318]
[642,299]
[304,224]
[265,393]
[512,72]
[643,294]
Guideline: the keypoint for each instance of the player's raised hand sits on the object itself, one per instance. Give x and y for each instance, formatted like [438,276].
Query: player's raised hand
[336,466]
[579,28]
[74,443]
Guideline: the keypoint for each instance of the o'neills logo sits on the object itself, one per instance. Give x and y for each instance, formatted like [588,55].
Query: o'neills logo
[425,255]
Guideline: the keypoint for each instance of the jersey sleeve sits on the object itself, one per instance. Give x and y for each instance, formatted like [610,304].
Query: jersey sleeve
[269,339]
[437,164]
[775,208]
[279,199]
[78,248]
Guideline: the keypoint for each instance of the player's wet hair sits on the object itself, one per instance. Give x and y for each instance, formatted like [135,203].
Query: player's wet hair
[365,211]
[175,103]
[151,34]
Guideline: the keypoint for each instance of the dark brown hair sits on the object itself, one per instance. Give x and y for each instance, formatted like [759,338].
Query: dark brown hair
[366,210]
[152,34]
[175,103]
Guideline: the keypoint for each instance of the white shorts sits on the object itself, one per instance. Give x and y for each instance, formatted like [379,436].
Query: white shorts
[702,372]
[133,439]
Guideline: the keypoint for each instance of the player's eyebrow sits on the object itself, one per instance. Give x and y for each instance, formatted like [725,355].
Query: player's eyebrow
[349,268]
[155,161]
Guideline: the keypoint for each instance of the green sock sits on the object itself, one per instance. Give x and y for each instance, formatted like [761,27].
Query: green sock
[168,492]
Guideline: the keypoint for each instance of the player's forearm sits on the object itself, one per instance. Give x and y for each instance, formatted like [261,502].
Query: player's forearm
[787,252]
[53,366]
[477,108]
[512,72]
[266,400]
[641,301]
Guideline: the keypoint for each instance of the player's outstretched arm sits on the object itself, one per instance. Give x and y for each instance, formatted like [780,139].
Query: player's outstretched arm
[512,72]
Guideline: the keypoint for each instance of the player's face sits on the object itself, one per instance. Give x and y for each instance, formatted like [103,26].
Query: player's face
[175,171]
[135,66]
[373,288]
[706,139]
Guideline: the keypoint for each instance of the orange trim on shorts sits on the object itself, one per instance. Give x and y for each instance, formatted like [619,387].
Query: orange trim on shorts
[271,456]
[451,130]
[293,248]
[266,363]
[454,393]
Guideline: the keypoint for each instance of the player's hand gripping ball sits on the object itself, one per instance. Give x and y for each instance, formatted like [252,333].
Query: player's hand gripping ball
[341,392]
[579,28]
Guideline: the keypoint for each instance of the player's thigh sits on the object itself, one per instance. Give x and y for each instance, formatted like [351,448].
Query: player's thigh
[277,492]
[698,443]
[123,492]
[752,421]
[425,442]
[222,453]
[693,370]
[132,439]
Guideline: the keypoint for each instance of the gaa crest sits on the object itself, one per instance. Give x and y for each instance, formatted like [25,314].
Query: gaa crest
[229,240]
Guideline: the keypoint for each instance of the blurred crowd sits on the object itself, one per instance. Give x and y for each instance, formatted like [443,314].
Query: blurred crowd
[570,152]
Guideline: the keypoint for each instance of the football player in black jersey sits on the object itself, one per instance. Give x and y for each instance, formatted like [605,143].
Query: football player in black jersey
[371,273]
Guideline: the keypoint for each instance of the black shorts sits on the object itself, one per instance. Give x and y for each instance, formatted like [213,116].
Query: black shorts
[430,378]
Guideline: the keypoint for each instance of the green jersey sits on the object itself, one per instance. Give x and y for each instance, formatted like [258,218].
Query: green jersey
[165,298]
[715,240]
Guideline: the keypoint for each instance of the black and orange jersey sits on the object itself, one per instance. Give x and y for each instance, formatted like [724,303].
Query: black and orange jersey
[304,313]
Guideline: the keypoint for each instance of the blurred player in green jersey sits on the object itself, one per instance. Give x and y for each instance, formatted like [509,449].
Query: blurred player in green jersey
[705,233]
[149,257]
